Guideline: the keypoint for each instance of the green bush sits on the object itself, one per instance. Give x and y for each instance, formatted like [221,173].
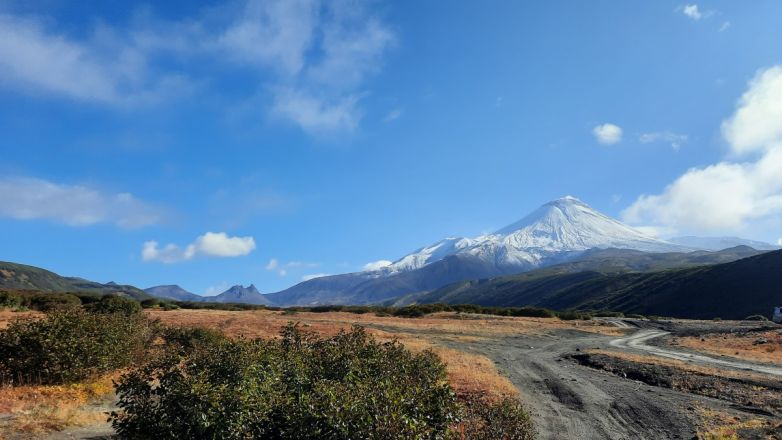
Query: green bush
[187,339]
[297,387]
[70,345]
[10,300]
[46,302]
[503,419]
[115,304]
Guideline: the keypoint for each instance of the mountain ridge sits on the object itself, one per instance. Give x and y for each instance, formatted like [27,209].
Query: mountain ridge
[556,232]
[731,290]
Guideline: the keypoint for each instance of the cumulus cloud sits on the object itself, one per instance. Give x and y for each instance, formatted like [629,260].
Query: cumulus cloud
[733,195]
[376,265]
[273,264]
[607,133]
[312,276]
[756,126]
[211,244]
[25,198]
[674,139]
[692,11]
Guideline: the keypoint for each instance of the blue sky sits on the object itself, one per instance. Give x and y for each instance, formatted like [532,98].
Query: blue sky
[262,142]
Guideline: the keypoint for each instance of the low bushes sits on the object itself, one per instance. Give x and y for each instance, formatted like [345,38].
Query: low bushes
[10,300]
[297,387]
[115,304]
[70,345]
[502,419]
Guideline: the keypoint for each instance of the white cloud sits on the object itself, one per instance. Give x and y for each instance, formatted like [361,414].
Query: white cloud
[272,34]
[103,69]
[757,123]
[692,11]
[273,264]
[730,196]
[376,265]
[211,244]
[25,198]
[311,56]
[317,115]
[725,26]
[282,269]
[676,140]
[607,133]
[313,276]
[779,242]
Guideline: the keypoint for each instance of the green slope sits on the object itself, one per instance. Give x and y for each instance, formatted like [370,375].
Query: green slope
[15,276]
[732,290]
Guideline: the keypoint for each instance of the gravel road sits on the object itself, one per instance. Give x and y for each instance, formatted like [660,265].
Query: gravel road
[570,401]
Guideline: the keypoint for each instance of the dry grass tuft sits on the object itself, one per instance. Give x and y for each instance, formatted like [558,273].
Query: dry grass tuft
[41,409]
[740,345]
[719,425]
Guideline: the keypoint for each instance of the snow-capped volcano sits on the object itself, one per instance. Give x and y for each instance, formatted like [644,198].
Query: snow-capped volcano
[563,226]
[559,231]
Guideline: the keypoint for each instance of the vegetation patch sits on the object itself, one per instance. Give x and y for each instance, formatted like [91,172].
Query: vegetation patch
[71,345]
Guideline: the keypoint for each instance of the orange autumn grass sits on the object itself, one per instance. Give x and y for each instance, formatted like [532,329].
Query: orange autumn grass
[738,345]
[37,409]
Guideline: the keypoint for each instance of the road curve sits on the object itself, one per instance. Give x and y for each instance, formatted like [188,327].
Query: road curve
[638,341]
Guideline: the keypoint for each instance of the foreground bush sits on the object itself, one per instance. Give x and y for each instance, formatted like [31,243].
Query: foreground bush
[503,419]
[70,345]
[298,387]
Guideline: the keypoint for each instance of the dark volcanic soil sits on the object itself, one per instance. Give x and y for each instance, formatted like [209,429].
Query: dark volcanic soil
[571,401]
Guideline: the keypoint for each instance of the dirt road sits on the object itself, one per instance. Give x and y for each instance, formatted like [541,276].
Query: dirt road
[570,401]
[638,341]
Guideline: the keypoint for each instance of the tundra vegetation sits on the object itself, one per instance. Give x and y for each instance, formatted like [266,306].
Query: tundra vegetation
[184,382]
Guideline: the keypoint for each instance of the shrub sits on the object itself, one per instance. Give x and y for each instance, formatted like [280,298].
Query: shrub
[187,339]
[298,387]
[46,302]
[116,304]
[570,316]
[70,345]
[756,318]
[635,316]
[151,303]
[502,419]
[10,300]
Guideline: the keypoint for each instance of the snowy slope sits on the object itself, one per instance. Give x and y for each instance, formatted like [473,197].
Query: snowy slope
[563,226]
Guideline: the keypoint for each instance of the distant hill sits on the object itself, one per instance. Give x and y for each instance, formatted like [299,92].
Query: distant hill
[16,276]
[719,243]
[173,292]
[733,290]
[236,294]
[239,294]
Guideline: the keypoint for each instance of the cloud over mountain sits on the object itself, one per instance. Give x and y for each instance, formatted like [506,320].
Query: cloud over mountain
[211,244]
[742,191]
